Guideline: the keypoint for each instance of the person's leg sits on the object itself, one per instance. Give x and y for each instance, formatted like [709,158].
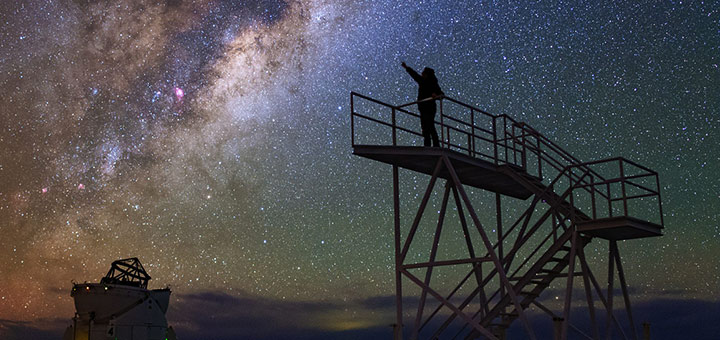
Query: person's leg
[434,134]
[427,113]
[426,123]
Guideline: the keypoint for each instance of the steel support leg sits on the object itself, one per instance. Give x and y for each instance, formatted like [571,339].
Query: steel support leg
[433,253]
[611,280]
[398,261]
[623,285]
[477,268]
[588,294]
[569,286]
[420,211]
[601,297]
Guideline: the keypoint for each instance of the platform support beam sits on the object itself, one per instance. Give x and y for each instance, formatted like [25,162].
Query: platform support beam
[601,297]
[498,214]
[569,286]
[477,269]
[611,281]
[433,253]
[398,263]
[623,286]
[402,248]
[488,245]
[588,294]
[403,241]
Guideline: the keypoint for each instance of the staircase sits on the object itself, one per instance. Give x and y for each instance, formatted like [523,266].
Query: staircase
[551,265]
[529,286]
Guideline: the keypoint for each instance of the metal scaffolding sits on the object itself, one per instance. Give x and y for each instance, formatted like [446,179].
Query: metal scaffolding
[568,204]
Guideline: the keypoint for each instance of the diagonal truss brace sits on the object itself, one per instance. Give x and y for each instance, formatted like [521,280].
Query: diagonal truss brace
[460,195]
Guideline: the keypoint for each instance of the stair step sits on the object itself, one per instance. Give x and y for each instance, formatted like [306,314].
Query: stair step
[536,277]
[556,259]
[549,271]
[541,277]
[565,274]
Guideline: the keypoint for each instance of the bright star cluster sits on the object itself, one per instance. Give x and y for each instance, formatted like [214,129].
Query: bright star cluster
[211,138]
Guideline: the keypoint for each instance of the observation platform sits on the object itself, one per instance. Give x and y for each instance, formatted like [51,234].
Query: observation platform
[619,228]
[501,155]
[471,171]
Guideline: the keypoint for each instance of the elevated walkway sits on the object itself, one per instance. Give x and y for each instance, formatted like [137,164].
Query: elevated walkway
[498,154]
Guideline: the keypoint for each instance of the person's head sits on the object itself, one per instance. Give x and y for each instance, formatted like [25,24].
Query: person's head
[428,73]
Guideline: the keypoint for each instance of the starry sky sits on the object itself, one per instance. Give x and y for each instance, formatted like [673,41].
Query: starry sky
[211,139]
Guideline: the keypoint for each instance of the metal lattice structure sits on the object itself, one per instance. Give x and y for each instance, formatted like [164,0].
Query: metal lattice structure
[129,272]
[567,204]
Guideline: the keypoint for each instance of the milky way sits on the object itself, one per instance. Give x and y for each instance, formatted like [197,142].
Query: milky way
[211,139]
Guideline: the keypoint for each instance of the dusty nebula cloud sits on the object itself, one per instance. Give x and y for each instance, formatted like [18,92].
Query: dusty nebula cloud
[211,139]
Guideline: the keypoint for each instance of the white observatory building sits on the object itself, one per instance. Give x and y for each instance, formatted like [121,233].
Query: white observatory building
[120,307]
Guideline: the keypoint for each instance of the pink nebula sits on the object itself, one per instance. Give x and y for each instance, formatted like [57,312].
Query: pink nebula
[179,93]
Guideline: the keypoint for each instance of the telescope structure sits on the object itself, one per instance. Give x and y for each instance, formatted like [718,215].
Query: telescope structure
[544,207]
[120,306]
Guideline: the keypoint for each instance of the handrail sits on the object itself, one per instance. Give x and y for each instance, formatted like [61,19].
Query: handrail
[422,101]
[527,130]
[644,190]
[472,135]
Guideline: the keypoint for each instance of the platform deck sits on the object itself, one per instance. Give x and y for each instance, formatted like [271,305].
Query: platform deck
[620,228]
[471,171]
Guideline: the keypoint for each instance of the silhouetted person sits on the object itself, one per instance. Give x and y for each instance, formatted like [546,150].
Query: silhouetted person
[428,88]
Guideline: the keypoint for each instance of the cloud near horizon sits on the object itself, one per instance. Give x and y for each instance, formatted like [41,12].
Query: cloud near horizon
[249,317]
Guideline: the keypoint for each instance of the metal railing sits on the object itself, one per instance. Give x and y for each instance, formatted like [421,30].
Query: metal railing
[475,136]
[630,185]
[502,140]
[496,138]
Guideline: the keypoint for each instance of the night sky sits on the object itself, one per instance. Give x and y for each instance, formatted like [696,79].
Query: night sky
[211,139]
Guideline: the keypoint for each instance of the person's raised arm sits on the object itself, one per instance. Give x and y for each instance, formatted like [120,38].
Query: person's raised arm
[411,72]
